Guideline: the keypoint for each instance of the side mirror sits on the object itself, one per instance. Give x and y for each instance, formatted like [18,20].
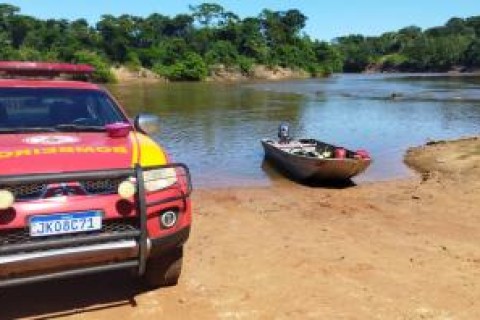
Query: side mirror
[118,129]
[147,123]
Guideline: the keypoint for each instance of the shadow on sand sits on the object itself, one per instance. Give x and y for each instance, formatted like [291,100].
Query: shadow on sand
[61,298]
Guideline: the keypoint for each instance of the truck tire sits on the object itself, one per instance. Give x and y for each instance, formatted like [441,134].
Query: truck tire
[164,270]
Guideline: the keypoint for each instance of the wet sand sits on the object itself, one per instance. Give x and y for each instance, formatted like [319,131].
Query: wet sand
[407,249]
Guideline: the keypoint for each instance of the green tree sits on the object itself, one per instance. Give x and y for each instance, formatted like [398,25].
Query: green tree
[191,68]
[329,58]
[250,40]
[436,53]
[212,15]
[472,54]
[102,70]
[356,51]
[223,52]
[474,23]
[115,36]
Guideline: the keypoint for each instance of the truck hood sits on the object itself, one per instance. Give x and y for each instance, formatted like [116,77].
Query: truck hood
[65,152]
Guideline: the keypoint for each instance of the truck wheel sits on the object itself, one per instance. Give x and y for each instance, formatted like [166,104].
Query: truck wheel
[164,270]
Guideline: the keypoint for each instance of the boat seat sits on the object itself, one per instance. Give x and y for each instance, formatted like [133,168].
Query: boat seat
[292,144]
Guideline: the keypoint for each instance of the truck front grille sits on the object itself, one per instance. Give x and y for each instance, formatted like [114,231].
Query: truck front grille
[34,191]
[106,186]
[27,191]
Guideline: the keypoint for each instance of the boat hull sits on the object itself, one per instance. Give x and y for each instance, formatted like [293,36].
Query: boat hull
[309,168]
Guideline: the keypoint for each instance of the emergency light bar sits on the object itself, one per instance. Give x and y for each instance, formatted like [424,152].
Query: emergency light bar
[43,69]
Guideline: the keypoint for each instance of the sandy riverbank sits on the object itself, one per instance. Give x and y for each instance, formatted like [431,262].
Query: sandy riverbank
[405,249]
[219,73]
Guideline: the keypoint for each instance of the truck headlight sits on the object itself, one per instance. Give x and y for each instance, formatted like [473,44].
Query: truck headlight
[6,199]
[126,189]
[159,179]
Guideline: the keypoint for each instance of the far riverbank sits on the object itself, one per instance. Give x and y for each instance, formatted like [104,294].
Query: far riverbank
[219,73]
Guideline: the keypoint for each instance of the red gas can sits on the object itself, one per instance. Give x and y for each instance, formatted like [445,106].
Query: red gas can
[363,154]
[340,153]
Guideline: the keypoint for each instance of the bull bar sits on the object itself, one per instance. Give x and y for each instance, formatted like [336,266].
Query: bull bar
[140,235]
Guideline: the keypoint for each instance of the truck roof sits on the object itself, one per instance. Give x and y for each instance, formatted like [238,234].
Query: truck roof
[43,83]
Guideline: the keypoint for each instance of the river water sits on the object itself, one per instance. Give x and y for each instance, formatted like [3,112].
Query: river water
[215,128]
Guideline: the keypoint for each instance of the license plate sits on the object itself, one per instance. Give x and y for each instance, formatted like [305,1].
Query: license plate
[73,222]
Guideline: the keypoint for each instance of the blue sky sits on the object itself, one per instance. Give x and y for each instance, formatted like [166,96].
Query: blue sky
[326,19]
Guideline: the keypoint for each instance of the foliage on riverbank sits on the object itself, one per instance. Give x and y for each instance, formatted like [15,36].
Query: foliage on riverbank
[455,45]
[183,47]
[194,45]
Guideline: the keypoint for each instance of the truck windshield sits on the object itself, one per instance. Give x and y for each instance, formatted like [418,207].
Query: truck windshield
[45,109]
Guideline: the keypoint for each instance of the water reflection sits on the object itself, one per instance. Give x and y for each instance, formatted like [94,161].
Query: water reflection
[216,128]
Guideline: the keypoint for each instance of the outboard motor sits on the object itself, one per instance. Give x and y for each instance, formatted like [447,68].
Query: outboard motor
[284,133]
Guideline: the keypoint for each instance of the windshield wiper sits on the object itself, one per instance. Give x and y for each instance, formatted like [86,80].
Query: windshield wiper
[26,130]
[79,127]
